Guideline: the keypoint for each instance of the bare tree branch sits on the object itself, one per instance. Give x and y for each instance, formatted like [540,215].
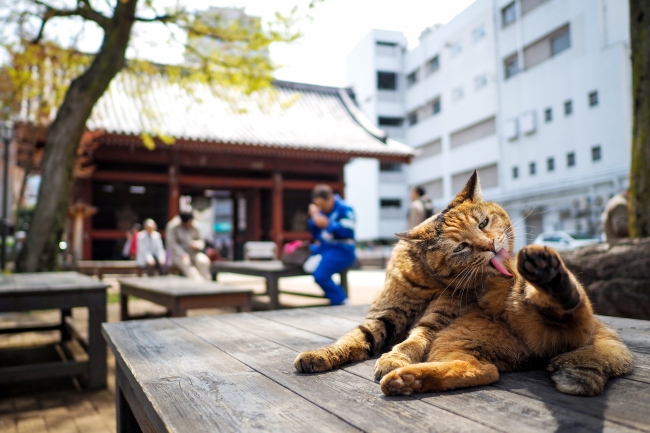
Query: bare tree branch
[159,18]
[83,10]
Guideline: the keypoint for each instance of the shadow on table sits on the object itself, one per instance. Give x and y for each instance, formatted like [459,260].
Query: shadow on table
[571,413]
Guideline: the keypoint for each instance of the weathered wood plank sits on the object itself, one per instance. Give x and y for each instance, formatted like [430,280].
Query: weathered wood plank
[354,399]
[624,401]
[197,387]
[621,396]
[309,319]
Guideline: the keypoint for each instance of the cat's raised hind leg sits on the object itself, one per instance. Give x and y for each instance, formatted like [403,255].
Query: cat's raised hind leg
[543,268]
[585,371]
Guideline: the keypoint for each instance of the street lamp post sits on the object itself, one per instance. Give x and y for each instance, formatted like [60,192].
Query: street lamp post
[7,132]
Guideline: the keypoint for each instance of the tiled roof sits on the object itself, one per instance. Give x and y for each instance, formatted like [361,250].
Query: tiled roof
[298,117]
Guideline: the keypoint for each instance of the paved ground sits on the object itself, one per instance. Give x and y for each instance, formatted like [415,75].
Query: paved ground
[61,406]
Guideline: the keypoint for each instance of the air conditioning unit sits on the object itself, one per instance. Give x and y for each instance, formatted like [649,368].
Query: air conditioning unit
[528,123]
[511,129]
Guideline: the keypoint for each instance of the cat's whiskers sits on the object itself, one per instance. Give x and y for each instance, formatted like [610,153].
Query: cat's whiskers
[452,281]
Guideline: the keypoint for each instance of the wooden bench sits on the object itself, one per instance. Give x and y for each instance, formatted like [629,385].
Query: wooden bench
[99,268]
[62,291]
[272,271]
[180,294]
[232,373]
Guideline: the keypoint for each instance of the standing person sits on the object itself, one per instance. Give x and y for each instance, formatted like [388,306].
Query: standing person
[151,254]
[186,246]
[615,223]
[332,225]
[421,207]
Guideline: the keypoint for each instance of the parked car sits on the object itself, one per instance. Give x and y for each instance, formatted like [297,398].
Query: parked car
[563,241]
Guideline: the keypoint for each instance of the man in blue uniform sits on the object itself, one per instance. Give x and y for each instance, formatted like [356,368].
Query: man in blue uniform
[332,225]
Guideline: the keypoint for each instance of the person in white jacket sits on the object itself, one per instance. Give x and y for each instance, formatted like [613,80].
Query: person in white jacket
[150,254]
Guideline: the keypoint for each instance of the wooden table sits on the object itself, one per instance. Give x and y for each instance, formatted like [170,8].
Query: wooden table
[101,267]
[62,291]
[232,373]
[180,294]
[272,271]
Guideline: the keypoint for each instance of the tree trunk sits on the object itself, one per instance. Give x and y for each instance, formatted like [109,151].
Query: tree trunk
[639,193]
[41,248]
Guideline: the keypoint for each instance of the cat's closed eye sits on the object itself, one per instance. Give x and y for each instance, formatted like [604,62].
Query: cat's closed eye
[483,224]
[460,247]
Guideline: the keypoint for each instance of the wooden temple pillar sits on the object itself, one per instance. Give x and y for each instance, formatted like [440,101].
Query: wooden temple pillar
[277,215]
[174,191]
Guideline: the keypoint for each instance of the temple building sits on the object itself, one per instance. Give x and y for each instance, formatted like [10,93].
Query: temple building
[246,164]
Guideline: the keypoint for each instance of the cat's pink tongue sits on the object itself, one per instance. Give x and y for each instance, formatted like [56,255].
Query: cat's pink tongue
[497,261]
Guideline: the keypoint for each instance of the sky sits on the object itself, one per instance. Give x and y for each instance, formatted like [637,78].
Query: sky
[319,57]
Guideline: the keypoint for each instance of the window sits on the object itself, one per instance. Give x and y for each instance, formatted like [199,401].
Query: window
[473,132]
[596,154]
[412,78]
[568,107]
[515,172]
[550,164]
[386,49]
[435,106]
[529,5]
[532,168]
[508,14]
[386,80]
[390,166]
[390,202]
[413,117]
[548,114]
[511,66]
[457,94]
[480,81]
[428,149]
[390,121]
[593,98]
[560,41]
[546,47]
[571,159]
[489,176]
[432,65]
[478,33]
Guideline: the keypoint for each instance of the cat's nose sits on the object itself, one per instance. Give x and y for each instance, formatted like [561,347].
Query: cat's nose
[489,246]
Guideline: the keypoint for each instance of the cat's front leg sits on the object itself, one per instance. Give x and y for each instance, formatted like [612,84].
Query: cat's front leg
[410,351]
[543,268]
[439,315]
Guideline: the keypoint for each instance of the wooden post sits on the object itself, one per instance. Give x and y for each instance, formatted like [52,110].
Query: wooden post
[277,210]
[174,191]
[256,215]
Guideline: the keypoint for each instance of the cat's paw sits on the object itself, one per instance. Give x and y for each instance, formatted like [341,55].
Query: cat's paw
[543,267]
[538,264]
[401,382]
[387,363]
[314,361]
[579,381]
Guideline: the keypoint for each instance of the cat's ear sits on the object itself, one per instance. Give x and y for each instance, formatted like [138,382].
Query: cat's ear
[471,191]
[409,236]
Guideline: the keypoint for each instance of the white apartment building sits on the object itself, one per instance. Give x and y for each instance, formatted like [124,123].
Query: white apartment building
[535,94]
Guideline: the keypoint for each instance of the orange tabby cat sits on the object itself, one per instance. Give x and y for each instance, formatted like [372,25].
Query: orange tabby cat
[503,318]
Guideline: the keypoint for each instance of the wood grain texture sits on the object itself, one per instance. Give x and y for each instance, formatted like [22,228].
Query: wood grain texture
[354,399]
[235,372]
[623,398]
[193,386]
